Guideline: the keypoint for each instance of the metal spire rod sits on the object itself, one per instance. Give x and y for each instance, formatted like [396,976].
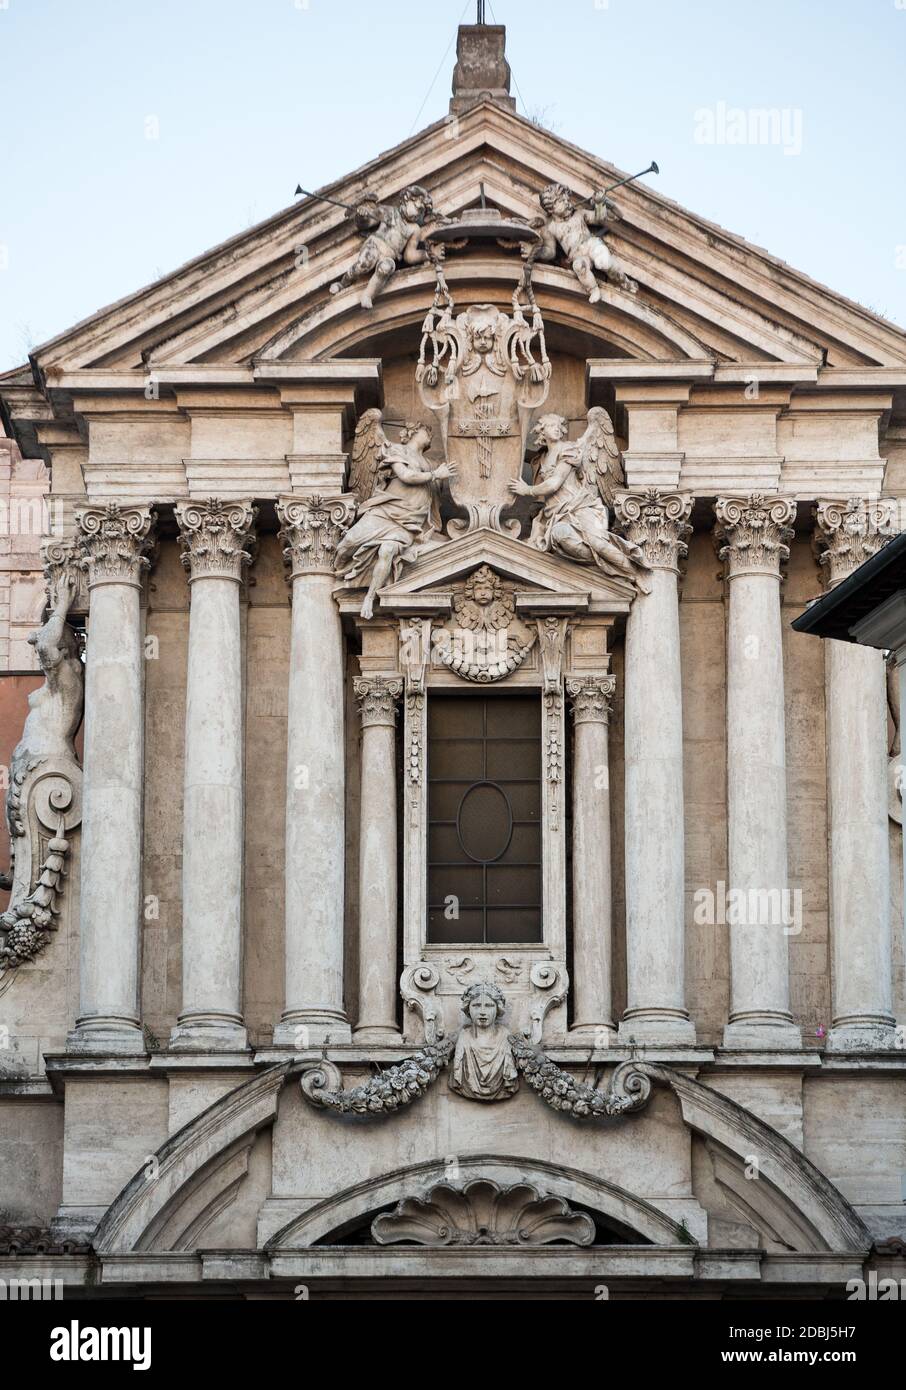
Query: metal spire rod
[479,19]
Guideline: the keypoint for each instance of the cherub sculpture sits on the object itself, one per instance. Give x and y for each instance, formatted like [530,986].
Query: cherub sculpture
[567,226]
[576,484]
[398,509]
[484,1067]
[392,235]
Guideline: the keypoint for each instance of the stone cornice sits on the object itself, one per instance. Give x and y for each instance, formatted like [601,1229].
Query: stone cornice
[216,537]
[849,531]
[310,528]
[658,522]
[113,542]
[752,533]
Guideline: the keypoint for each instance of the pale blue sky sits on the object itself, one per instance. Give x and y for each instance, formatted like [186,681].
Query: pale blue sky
[253,96]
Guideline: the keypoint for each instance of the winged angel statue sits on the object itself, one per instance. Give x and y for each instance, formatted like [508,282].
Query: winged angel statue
[576,482]
[398,508]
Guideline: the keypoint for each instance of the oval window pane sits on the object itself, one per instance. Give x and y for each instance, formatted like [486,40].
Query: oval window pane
[485,823]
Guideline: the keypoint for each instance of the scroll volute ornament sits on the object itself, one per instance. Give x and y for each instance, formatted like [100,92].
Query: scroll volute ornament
[377,697]
[752,533]
[850,532]
[216,537]
[114,542]
[310,529]
[43,803]
[657,522]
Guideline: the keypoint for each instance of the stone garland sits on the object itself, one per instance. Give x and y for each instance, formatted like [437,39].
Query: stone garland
[398,1086]
[26,926]
[410,1079]
[629,1088]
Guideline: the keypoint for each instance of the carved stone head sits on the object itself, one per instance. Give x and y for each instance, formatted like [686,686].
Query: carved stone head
[557,200]
[412,429]
[483,1004]
[550,429]
[416,204]
[483,586]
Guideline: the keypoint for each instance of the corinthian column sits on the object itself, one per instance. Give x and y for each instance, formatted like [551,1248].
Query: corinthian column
[849,532]
[655,870]
[590,698]
[113,541]
[377,697]
[752,535]
[315,780]
[215,537]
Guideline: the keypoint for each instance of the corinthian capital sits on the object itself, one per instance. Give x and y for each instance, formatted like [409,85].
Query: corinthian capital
[590,698]
[216,537]
[849,532]
[752,533]
[377,697]
[113,542]
[656,521]
[310,528]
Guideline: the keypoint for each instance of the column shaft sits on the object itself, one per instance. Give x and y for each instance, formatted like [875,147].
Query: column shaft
[113,541]
[655,866]
[849,532]
[378,862]
[592,945]
[752,534]
[214,536]
[315,783]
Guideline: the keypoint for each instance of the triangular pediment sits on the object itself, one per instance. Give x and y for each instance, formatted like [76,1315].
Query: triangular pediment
[531,571]
[704,294]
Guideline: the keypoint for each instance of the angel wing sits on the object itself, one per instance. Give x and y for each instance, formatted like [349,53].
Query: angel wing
[601,465]
[368,444]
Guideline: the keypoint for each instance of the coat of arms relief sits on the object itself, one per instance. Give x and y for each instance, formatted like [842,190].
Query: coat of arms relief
[484,376]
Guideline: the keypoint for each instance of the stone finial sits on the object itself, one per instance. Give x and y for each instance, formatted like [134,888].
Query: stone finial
[310,528]
[482,72]
[377,697]
[752,533]
[850,531]
[216,537]
[590,698]
[657,522]
[113,542]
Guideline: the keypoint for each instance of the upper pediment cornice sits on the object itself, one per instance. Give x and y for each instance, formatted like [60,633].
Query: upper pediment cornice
[726,298]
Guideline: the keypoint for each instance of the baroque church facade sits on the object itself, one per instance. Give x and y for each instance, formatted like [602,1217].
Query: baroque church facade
[464,877]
